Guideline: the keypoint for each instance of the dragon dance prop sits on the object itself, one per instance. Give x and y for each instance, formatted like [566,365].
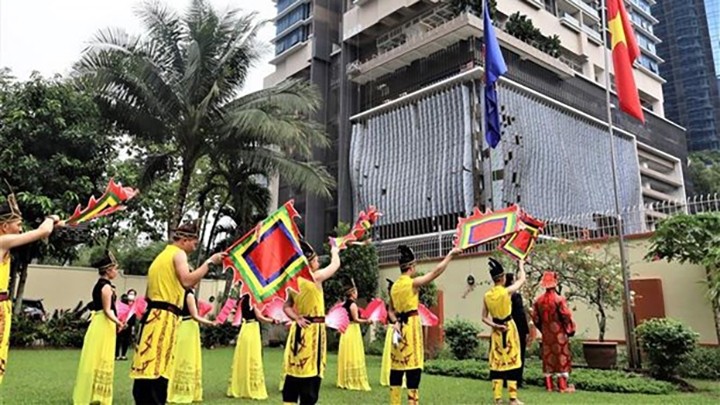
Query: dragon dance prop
[365,221]
[268,259]
[518,230]
[112,200]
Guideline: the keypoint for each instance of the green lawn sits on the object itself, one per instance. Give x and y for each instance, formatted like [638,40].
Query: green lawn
[47,377]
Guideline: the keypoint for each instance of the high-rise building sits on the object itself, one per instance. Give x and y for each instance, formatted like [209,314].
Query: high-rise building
[402,85]
[692,98]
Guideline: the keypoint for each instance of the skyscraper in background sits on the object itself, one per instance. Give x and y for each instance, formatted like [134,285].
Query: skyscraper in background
[691,36]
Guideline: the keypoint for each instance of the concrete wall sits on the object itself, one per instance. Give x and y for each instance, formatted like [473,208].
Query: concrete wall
[63,287]
[684,292]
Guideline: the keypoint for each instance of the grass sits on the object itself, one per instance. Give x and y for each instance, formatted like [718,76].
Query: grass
[48,376]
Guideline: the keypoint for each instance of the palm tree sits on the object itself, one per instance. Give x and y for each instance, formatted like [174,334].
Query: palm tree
[175,90]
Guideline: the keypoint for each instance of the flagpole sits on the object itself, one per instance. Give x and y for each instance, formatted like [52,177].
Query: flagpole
[485,149]
[627,312]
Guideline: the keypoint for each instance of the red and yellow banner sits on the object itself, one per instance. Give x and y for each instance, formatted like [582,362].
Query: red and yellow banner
[111,201]
[624,52]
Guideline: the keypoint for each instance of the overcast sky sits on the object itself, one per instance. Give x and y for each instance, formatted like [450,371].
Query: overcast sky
[49,35]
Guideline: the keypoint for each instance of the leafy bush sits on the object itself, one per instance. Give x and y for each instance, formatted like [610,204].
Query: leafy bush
[219,335]
[25,331]
[702,363]
[428,293]
[377,345]
[667,343]
[66,328]
[461,337]
[584,379]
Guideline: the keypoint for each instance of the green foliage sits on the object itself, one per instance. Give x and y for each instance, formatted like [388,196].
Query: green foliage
[137,260]
[428,293]
[25,331]
[461,337]
[586,273]
[522,28]
[702,363]
[705,171]
[694,239]
[584,379]
[66,328]
[667,343]
[358,262]
[218,335]
[175,90]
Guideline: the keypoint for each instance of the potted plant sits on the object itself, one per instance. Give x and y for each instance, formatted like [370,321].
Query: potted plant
[596,280]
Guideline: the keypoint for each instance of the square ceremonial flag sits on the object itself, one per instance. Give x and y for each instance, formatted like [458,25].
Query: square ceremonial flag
[521,243]
[481,228]
[268,259]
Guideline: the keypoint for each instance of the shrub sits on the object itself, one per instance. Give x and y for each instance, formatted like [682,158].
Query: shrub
[702,363]
[377,345]
[584,379]
[461,337]
[667,343]
[25,331]
[66,328]
[219,335]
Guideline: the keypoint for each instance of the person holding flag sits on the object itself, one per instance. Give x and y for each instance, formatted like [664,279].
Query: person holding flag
[12,236]
[306,348]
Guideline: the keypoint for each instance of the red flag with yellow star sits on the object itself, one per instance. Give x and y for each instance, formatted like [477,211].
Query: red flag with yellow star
[624,52]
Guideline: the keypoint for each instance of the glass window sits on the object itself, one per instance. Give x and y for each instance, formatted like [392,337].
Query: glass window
[299,14]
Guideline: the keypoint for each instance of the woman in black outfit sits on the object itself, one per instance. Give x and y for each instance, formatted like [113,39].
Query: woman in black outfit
[518,315]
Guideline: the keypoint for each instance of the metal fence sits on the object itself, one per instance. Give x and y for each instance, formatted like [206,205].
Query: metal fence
[636,220]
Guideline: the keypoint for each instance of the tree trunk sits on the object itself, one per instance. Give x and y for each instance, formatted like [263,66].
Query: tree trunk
[185,178]
[602,322]
[213,228]
[20,292]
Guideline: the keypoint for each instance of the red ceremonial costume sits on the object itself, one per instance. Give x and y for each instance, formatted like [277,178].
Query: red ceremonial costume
[554,320]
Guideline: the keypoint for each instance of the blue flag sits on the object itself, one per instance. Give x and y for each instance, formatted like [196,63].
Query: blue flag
[494,68]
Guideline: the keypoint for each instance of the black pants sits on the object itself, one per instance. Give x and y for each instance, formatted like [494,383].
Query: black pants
[150,392]
[123,342]
[413,378]
[307,390]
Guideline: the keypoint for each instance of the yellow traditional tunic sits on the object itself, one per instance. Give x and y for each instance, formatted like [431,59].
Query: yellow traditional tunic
[154,355]
[310,358]
[504,346]
[5,313]
[409,353]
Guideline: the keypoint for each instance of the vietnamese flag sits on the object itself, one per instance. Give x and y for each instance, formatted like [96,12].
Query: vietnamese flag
[624,52]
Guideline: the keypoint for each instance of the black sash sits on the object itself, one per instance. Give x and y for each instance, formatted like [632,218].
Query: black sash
[298,331]
[404,317]
[4,296]
[503,321]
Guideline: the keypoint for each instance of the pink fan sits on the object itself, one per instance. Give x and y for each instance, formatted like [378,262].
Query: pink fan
[427,318]
[204,307]
[122,310]
[140,306]
[237,319]
[225,311]
[375,311]
[337,318]
[275,311]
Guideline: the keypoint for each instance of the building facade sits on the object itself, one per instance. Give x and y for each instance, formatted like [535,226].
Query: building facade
[403,96]
[692,98]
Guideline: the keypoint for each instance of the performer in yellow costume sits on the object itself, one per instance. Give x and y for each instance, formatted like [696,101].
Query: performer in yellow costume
[247,379]
[94,382]
[185,385]
[387,348]
[167,278]
[306,347]
[11,236]
[407,354]
[352,373]
[505,357]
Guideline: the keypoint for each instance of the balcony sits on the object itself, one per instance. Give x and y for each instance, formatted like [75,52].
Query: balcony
[427,43]
[593,36]
[645,13]
[538,4]
[587,10]
[289,9]
[570,22]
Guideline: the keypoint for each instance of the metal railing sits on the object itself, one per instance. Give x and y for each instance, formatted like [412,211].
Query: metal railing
[637,220]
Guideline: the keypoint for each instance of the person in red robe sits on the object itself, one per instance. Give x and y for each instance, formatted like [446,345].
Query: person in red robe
[553,320]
